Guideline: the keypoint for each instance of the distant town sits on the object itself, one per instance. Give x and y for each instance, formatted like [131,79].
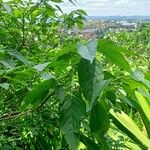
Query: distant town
[97,26]
[120,18]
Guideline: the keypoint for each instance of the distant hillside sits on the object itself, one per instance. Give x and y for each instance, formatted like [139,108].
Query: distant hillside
[120,18]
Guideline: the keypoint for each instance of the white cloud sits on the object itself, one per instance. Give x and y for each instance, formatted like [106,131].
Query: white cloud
[110,7]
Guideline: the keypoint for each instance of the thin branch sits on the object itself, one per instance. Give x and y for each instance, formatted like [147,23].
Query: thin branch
[23,31]
[11,33]
[15,115]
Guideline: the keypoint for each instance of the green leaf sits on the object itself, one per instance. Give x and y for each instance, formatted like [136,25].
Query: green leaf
[41,67]
[99,88]
[91,79]
[99,120]
[71,111]
[144,110]
[7,7]
[47,76]
[82,12]
[59,9]
[18,55]
[56,1]
[4,85]
[131,145]
[114,53]
[72,1]
[44,143]
[38,94]
[65,57]
[144,92]
[147,83]
[88,51]
[91,145]
[8,63]
[126,124]
[2,52]
[138,75]
[121,140]
[135,104]
[144,103]
[111,96]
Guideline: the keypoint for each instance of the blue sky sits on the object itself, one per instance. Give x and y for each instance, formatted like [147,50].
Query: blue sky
[110,7]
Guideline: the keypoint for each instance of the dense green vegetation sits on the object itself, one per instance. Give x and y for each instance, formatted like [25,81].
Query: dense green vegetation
[60,92]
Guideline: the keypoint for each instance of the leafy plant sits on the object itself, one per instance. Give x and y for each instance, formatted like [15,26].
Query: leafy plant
[59,91]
